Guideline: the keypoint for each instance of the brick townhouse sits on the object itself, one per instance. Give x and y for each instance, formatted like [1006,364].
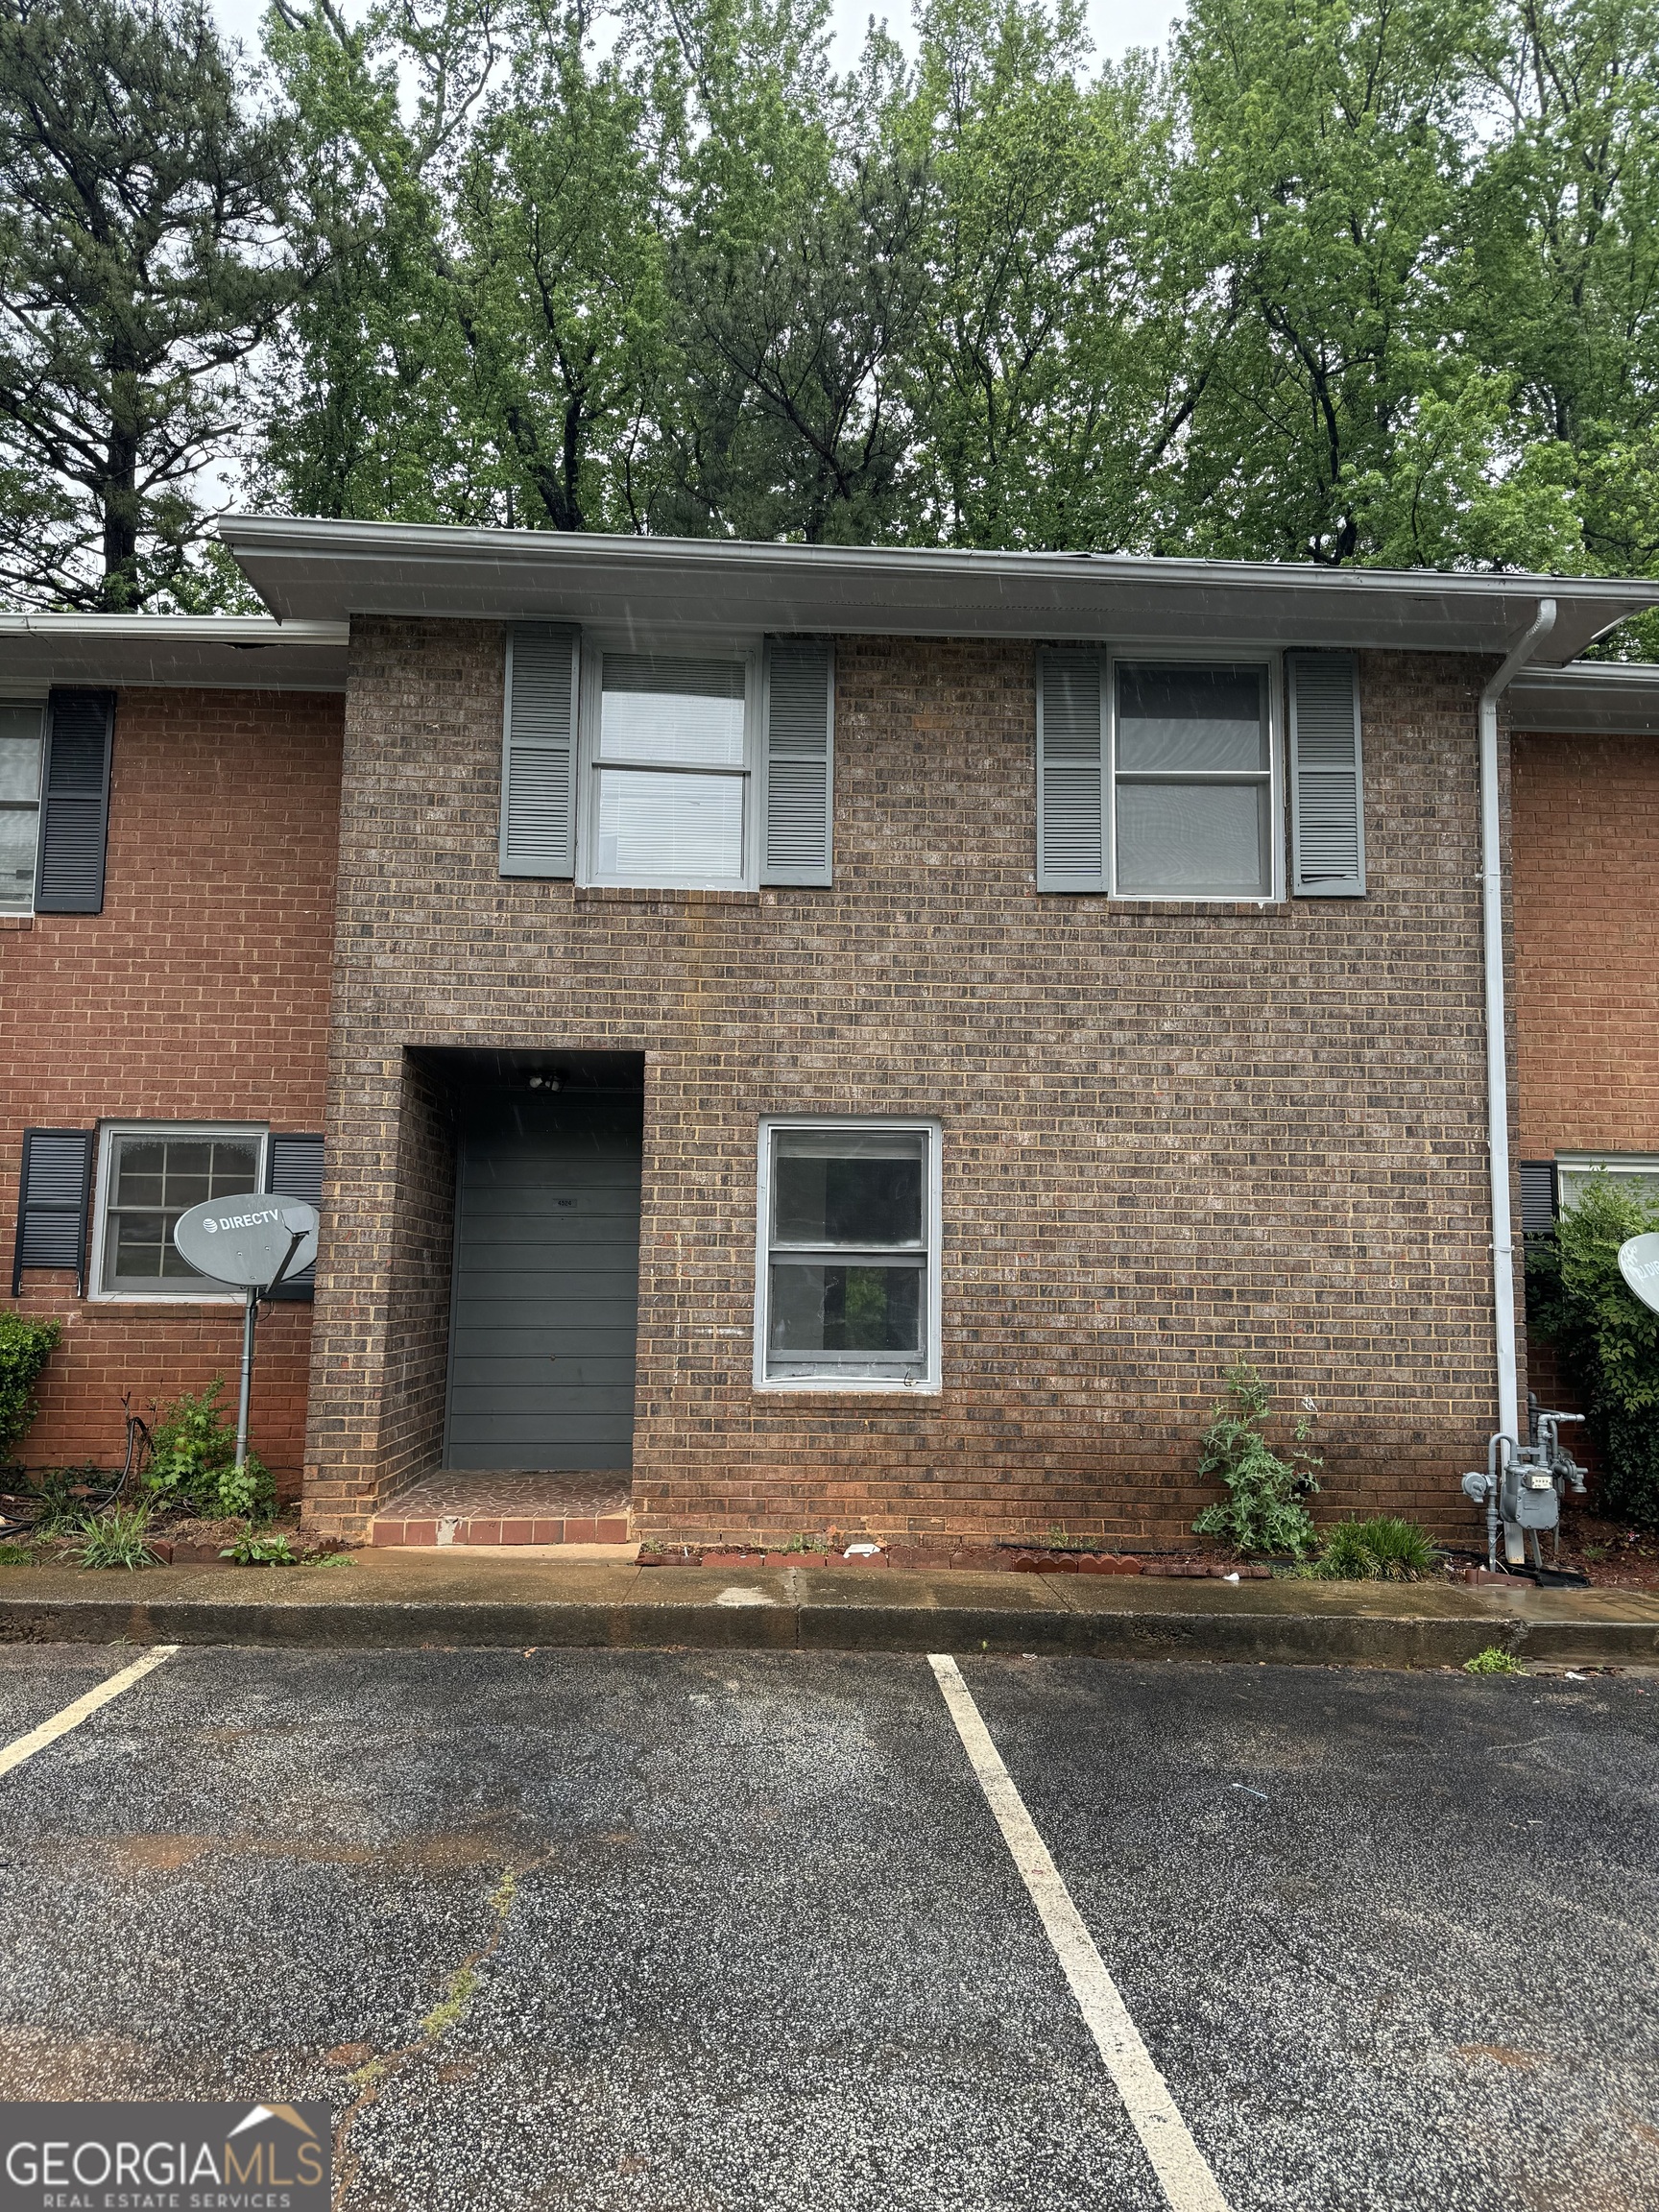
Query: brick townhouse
[809,1036]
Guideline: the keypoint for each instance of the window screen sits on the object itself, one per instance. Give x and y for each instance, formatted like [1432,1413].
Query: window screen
[670,758]
[22,725]
[153,1177]
[847,1254]
[1634,1175]
[1192,787]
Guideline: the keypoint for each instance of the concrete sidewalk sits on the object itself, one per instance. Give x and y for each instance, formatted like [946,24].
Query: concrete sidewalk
[479,1598]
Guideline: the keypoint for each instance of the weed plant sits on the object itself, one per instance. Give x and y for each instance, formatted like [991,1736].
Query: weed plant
[1263,1510]
[193,1461]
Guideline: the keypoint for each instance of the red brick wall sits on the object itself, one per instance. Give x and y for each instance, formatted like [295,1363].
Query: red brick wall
[1173,1133]
[1586,938]
[1586,815]
[200,993]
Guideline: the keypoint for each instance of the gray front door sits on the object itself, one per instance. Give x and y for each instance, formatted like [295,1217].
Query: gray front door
[546,1284]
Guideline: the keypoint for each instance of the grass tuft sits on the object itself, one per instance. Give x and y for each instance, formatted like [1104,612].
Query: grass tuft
[1493,1661]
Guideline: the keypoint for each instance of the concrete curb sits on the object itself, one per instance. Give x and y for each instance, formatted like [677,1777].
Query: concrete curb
[417,1602]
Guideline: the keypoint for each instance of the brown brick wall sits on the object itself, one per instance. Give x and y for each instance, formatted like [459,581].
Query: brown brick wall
[199,993]
[1173,1133]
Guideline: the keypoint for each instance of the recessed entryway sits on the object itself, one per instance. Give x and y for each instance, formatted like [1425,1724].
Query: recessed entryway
[546,1269]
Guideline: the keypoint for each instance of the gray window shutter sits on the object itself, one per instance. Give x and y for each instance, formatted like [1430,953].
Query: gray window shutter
[1070,773]
[539,751]
[51,1204]
[1327,777]
[294,1170]
[75,803]
[799,792]
[1539,1199]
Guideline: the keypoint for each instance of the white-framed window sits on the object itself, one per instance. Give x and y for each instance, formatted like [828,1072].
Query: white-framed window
[668,744]
[847,1295]
[1637,1172]
[1195,806]
[22,741]
[148,1175]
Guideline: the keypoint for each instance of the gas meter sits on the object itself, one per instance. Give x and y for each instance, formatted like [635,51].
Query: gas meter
[1522,1486]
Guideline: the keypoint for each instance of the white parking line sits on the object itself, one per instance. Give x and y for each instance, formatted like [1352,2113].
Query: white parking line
[1176,2159]
[25,1747]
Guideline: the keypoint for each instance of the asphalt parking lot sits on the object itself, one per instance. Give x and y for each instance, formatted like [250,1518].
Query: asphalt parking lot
[678,1931]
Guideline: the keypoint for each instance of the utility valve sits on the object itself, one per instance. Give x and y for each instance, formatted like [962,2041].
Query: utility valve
[1522,1486]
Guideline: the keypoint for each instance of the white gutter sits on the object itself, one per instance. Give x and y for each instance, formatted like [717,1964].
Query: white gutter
[1497,1059]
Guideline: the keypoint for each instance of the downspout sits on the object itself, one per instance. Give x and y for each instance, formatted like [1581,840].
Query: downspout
[1497,1058]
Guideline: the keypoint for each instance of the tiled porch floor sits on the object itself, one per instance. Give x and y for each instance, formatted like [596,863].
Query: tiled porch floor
[507,1508]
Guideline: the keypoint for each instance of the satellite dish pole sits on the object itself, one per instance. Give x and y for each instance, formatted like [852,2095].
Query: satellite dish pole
[253,1241]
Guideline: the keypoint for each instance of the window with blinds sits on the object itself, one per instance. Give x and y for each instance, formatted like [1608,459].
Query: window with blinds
[1192,781]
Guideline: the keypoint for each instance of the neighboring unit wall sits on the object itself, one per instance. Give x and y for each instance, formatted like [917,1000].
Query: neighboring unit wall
[1586,812]
[1173,1133]
[200,993]
[1586,898]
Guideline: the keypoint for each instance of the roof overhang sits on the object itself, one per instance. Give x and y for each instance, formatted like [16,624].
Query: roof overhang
[216,653]
[322,571]
[1616,697]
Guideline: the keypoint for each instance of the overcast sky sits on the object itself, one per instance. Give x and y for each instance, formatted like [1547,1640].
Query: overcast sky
[1116,25]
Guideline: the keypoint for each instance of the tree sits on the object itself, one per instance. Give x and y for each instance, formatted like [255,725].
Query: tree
[1060,353]
[1342,422]
[138,199]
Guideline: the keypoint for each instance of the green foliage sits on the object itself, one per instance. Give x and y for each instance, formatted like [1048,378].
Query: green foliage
[120,1538]
[1263,1510]
[1493,1661]
[14,1554]
[252,1549]
[193,1461]
[63,1495]
[139,190]
[1384,1548]
[25,1347]
[1609,1340]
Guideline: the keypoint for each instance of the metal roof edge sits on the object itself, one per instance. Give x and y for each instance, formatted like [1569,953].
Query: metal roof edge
[350,541]
[1618,697]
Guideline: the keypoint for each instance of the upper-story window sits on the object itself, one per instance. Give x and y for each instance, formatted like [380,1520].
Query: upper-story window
[23,723]
[669,770]
[708,768]
[1176,775]
[1192,771]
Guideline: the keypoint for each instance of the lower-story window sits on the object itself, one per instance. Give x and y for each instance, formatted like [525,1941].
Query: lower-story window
[848,1254]
[147,1177]
[1634,1174]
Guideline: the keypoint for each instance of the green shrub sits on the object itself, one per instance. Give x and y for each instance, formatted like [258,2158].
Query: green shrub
[1493,1661]
[1263,1510]
[25,1347]
[117,1539]
[1607,1339]
[1384,1549]
[193,1461]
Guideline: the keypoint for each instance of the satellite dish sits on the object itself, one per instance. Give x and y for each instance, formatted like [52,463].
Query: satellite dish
[1638,1264]
[249,1241]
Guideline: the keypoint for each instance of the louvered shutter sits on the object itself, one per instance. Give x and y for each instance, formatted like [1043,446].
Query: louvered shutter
[1070,773]
[57,1184]
[1327,778]
[294,1170]
[1539,1199]
[538,749]
[75,803]
[799,795]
